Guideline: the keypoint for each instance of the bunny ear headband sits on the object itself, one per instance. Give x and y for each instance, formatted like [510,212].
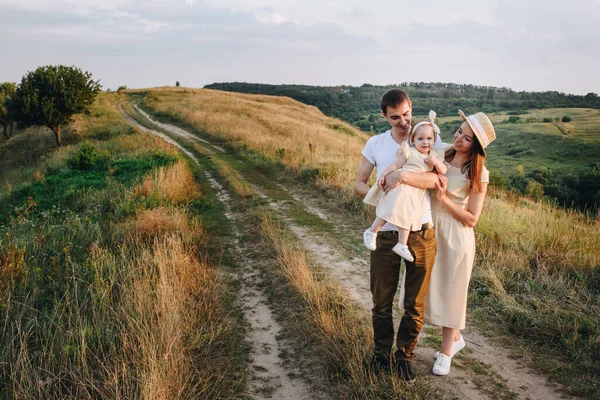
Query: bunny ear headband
[431,122]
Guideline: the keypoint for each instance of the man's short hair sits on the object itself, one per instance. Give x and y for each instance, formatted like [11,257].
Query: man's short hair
[393,99]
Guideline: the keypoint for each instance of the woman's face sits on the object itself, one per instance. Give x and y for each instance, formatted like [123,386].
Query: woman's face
[463,138]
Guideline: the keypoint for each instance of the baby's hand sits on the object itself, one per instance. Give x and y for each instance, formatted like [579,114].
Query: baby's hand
[428,160]
[381,182]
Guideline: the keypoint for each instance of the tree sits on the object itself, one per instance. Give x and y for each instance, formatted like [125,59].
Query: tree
[51,95]
[7,92]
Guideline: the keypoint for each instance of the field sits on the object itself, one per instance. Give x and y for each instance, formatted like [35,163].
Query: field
[530,255]
[561,146]
[106,287]
[127,268]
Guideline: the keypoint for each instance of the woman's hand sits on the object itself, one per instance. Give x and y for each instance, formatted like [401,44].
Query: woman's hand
[442,187]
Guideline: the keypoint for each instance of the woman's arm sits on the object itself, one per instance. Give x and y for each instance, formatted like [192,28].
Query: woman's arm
[469,216]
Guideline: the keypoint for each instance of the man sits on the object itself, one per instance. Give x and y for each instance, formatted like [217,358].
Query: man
[379,152]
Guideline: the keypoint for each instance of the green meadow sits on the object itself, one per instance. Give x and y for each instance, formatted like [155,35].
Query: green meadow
[562,146]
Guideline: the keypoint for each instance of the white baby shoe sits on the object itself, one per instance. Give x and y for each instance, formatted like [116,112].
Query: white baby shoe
[402,251]
[456,347]
[370,239]
[442,365]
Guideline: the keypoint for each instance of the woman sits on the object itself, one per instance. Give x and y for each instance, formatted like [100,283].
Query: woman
[456,209]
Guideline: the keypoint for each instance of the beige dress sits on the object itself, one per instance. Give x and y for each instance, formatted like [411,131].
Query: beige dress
[404,205]
[446,303]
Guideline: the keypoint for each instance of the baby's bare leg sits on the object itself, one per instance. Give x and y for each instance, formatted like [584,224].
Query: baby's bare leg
[403,235]
[377,224]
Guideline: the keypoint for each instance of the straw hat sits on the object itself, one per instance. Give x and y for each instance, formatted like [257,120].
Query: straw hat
[482,128]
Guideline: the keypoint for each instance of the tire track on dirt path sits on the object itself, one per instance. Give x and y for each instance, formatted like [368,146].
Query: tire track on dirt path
[484,370]
[269,378]
[175,129]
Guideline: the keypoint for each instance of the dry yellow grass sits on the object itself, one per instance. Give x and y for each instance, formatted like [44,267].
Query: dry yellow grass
[159,221]
[297,135]
[175,182]
[534,232]
[341,333]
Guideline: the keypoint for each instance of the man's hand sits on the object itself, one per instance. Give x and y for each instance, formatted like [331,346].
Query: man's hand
[392,180]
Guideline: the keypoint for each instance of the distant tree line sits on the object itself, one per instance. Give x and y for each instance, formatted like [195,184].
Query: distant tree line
[359,105]
[580,190]
[48,96]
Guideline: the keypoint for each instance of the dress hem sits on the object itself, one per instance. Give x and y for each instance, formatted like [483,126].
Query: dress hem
[438,322]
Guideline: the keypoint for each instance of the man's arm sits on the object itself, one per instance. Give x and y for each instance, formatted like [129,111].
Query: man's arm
[361,187]
[421,180]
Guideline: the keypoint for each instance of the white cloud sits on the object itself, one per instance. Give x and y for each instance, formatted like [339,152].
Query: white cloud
[525,45]
[267,16]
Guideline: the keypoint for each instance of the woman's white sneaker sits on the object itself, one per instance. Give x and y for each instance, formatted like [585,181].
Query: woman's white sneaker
[402,251]
[456,347]
[442,365]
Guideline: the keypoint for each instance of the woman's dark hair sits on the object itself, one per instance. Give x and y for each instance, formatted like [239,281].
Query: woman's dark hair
[473,167]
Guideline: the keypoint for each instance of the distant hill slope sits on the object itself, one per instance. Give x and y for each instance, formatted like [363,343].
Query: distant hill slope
[359,105]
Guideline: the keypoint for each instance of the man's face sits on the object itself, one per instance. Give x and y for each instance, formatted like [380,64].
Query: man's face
[400,117]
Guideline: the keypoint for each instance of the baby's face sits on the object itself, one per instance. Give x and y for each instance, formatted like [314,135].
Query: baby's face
[424,139]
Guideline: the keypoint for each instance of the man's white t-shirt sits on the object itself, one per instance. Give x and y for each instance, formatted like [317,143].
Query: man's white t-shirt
[380,150]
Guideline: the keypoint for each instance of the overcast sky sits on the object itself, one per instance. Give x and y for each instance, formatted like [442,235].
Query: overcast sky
[522,44]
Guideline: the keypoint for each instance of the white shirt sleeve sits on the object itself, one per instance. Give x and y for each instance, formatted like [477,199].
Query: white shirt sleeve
[368,151]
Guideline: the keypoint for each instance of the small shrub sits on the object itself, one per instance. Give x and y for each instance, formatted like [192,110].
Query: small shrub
[310,174]
[513,119]
[547,120]
[87,158]
[566,118]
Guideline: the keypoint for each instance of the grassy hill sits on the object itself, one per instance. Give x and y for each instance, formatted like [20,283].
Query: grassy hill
[561,146]
[108,286]
[554,159]
[530,257]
